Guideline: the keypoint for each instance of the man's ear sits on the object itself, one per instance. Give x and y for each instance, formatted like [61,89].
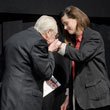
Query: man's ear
[45,35]
[48,32]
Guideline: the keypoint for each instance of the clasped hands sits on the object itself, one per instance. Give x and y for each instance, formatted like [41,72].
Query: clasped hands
[55,45]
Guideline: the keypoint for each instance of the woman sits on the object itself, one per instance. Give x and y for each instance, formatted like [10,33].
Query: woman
[85,48]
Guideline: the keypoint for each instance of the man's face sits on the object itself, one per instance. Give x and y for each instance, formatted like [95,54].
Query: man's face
[52,34]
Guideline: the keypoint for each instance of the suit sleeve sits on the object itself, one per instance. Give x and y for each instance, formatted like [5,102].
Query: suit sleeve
[91,47]
[1,66]
[42,61]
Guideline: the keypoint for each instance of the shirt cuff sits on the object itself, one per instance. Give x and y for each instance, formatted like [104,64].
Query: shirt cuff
[67,91]
[62,50]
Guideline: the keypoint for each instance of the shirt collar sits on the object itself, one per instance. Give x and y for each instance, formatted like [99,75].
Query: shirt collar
[79,38]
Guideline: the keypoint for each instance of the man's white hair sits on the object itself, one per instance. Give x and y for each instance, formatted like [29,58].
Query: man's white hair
[45,23]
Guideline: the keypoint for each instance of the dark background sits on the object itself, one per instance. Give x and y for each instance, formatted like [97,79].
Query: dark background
[17,15]
[93,8]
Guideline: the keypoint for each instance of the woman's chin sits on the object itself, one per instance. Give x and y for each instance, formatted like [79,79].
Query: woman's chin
[70,32]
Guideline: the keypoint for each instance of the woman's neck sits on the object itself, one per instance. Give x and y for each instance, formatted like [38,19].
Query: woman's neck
[79,31]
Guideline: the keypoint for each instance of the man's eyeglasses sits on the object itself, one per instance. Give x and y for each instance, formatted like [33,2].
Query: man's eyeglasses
[57,35]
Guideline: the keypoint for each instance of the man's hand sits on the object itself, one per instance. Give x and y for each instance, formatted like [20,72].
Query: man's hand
[54,45]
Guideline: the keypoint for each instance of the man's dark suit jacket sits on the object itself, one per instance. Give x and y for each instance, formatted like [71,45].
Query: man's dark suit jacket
[91,84]
[27,64]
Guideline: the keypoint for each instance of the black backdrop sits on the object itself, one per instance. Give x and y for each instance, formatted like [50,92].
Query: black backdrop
[93,8]
[17,15]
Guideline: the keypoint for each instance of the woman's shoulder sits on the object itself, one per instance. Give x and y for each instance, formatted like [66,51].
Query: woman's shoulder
[91,34]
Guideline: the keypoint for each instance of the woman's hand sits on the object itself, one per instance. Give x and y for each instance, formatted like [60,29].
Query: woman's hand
[64,106]
[54,46]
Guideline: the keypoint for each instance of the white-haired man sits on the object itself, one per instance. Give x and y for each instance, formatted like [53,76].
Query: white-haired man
[28,62]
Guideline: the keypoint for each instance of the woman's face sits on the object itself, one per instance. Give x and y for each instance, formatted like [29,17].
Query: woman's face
[69,24]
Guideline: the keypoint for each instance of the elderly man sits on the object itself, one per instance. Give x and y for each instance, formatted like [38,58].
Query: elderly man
[28,62]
